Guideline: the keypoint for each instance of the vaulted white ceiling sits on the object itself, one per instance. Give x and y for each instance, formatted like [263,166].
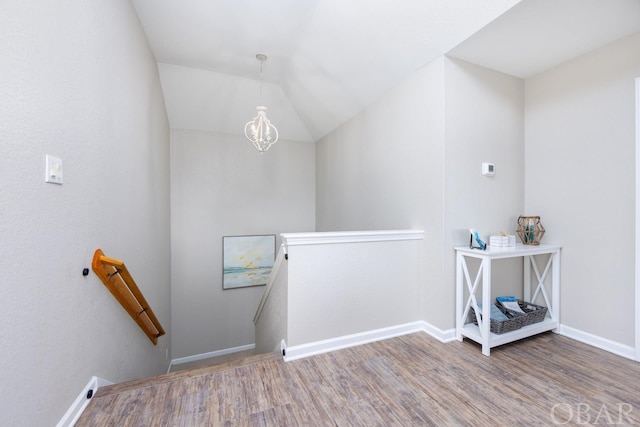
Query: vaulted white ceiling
[537,35]
[329,59]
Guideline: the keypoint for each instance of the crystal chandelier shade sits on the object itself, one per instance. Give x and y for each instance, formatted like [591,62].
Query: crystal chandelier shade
[259,130]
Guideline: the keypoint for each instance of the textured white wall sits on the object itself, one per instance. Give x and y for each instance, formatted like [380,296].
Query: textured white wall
[78,82]
[221,186]
[413,160]
[580,177]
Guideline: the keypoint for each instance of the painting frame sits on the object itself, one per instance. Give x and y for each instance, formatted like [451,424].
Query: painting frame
[247,260]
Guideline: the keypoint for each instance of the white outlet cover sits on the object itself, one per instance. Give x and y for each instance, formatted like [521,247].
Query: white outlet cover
[53,170]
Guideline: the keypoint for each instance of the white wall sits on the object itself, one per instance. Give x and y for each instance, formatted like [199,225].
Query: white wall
[580,177]
[413,159]
[335,290]
[384,170]
[484,122]
[78,82]
[221,186]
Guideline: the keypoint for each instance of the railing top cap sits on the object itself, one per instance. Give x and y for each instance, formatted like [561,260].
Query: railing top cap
[319,238]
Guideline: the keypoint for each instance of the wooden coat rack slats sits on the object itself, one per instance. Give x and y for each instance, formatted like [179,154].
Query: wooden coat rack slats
[118,280]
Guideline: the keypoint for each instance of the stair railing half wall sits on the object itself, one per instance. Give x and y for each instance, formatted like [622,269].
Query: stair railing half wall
[280,257]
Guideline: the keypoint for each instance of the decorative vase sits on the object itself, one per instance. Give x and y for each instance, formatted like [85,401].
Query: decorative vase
[530,230]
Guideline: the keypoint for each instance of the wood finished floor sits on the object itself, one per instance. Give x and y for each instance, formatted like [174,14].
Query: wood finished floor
[412,380]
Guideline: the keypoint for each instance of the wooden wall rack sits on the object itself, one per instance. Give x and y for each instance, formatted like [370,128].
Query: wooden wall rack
[116,278]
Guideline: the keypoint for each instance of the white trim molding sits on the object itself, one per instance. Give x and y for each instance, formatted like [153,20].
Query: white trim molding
[346,341]
[322,238]
[637,271]
[443,336]
[210,354]
[79,405]
[596,341]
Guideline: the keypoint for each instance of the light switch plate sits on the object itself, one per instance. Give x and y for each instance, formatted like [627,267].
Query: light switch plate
[53,170]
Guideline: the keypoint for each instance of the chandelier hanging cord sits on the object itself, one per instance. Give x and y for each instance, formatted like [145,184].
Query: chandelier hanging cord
[261,58]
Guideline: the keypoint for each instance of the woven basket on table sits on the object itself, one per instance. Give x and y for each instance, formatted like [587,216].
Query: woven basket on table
[532,313]
[514,322]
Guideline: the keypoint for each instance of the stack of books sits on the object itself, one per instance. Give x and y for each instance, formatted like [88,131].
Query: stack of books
[506,241]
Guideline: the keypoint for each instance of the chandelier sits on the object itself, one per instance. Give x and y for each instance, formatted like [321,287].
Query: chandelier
[260,131]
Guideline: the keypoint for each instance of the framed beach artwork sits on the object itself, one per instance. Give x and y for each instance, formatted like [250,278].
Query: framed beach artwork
[247,260]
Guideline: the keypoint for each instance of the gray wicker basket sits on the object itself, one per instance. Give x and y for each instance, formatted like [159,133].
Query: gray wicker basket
[533,313]
[515,321]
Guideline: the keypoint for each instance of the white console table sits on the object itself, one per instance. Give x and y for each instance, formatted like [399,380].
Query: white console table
[481,332]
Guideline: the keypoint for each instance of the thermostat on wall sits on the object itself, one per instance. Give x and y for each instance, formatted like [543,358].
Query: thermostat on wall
[488,169]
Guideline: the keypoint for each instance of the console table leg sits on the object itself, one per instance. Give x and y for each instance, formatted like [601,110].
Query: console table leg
[486,306]
[459,296]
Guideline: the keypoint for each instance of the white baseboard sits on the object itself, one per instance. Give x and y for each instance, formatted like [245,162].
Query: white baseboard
[78,406]
[599,342]
[210,354]
[442,336]
[346,341]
